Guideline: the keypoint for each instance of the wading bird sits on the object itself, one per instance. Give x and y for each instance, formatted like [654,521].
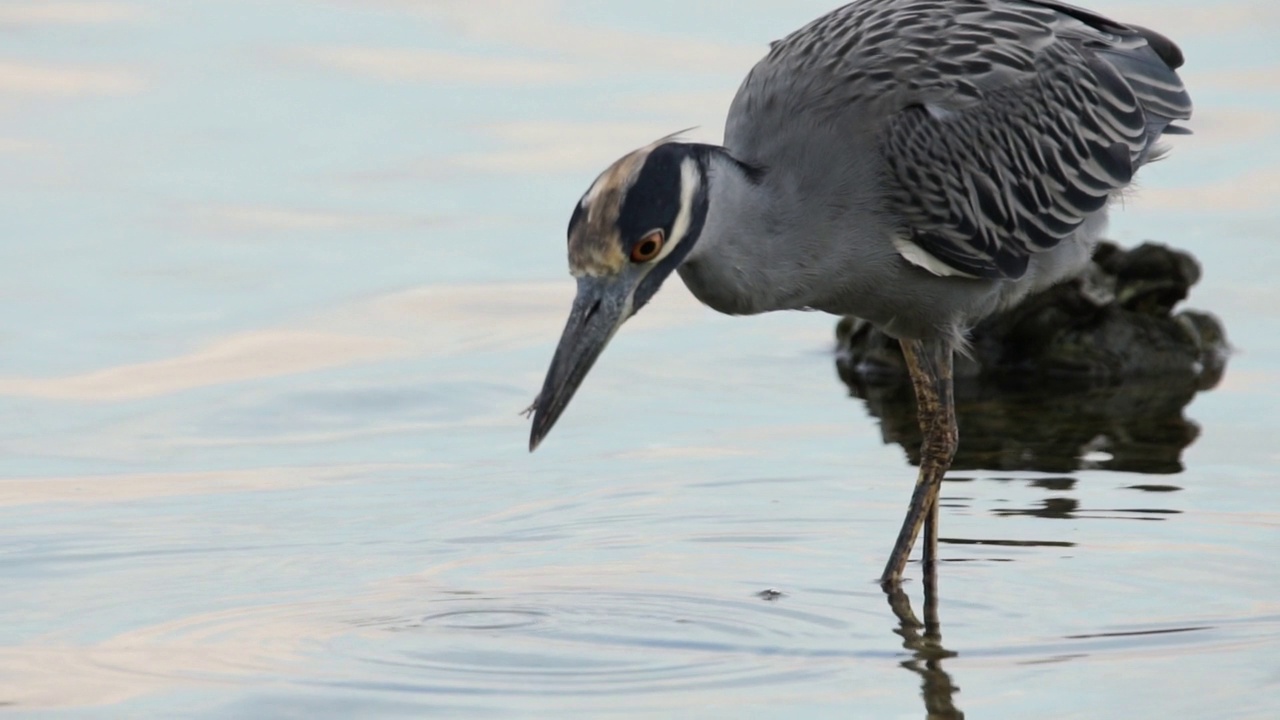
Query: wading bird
[917,163]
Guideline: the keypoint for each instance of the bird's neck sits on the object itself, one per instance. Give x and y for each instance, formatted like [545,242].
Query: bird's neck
[734,265]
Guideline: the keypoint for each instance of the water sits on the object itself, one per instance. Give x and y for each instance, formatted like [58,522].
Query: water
[278,277]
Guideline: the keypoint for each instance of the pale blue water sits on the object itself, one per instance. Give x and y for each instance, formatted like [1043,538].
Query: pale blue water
[277,277]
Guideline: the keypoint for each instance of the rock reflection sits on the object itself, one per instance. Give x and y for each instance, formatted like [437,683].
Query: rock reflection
[1057,508]
[1092,373]
[1063,484]
[924,640]
[1133,427]
[1062,508]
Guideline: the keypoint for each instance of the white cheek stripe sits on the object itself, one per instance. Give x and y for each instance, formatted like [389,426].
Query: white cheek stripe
[690,181]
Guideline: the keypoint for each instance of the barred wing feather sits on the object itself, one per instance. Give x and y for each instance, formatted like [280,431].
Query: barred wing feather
[986,176]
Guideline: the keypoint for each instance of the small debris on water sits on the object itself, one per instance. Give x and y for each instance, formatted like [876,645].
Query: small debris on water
[771,595]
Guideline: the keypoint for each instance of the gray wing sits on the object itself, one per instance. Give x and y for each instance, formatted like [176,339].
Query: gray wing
[1005,122]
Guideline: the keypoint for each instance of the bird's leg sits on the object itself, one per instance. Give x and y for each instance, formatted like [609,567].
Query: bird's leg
[930,365]
[929,558]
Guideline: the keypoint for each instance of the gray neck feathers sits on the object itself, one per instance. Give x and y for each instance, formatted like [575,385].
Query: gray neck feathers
[773,241]
[727,269]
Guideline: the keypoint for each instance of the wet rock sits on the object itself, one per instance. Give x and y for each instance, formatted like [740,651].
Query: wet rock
[1094,372]
[1115,322]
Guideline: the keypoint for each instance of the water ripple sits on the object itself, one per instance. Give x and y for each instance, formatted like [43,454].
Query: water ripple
[593,642]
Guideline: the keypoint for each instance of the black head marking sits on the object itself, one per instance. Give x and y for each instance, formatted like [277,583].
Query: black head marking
[659,187]
[653,201]
[674,174]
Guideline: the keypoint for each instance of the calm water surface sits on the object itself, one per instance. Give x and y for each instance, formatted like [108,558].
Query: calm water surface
[277,277]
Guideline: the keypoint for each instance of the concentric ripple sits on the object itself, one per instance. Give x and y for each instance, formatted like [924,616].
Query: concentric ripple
[593,642]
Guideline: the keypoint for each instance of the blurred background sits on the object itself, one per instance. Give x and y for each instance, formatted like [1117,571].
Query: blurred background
[277,277]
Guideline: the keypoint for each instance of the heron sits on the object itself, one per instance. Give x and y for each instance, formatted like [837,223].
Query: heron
[920,164]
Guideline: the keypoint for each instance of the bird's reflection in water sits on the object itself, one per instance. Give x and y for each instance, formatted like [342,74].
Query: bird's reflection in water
[924,641]
[1043,426]
[1036,426]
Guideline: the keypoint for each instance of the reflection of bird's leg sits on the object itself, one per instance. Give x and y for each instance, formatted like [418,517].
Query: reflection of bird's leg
[930,365]
[930,563]
[927,652]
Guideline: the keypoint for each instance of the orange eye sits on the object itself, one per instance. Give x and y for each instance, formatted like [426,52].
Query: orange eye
[648,247]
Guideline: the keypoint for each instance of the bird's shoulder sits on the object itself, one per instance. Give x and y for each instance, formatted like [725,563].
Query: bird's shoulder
[878,55]
[868,60]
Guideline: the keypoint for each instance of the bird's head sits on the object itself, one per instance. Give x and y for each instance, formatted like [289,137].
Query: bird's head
[631,229]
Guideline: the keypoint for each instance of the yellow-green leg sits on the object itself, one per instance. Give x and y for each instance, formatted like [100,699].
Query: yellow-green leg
[929,363]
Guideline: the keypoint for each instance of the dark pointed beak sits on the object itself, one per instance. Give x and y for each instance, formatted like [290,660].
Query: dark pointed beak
[600,308]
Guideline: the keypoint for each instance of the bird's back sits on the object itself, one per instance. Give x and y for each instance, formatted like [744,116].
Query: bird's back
[976,137]
[870,58]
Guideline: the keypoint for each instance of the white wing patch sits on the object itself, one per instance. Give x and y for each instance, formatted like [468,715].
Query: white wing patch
[917,256]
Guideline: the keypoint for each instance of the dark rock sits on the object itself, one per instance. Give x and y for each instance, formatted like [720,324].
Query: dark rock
[1113,323]
[1100,363]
